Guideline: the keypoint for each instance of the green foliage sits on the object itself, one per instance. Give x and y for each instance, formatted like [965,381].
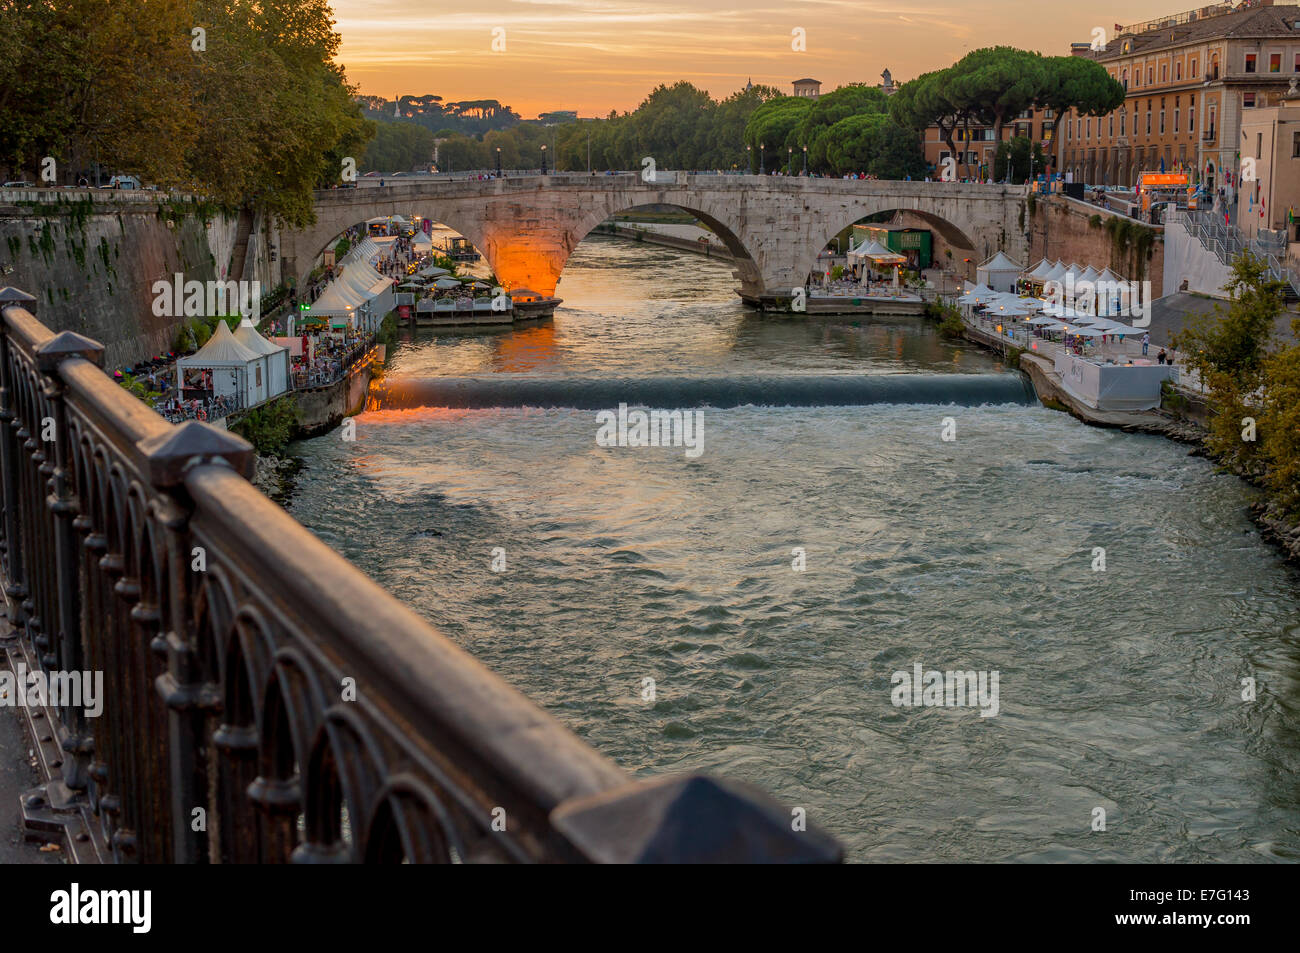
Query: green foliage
[837,272]
[1279,425]
[398,147]
[1094,221]
[262,115]
[1014,156]
[950,322]
[1230,353]
[269,428]
[341,248]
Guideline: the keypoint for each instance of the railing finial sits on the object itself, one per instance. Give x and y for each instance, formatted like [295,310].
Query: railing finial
[693,819]
[68,344]
[11,295]
[172,454]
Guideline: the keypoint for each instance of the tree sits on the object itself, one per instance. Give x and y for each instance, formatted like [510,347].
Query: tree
[996,83]
[1279,427]
[773,128]
[873,143]
[1012,160]
[1073,82]
[1230,353]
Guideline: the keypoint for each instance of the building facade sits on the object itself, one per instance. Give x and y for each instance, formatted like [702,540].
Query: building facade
[1270,150]
[808,88]
[1190,80]
[976,147]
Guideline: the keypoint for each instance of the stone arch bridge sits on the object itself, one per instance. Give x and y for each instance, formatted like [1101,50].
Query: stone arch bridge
[526,227]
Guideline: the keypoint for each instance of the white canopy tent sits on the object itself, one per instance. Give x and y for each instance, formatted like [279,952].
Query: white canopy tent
[277,357]
[1000,273]
[236,370]
[1040,270]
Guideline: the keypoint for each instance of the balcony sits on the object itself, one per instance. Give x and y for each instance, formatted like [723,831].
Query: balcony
[1208,135]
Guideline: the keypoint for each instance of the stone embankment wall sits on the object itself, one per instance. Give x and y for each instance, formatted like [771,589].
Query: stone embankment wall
[1076,231]
[91,262]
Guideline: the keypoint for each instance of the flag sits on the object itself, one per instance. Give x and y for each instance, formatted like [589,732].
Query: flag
[1162,163]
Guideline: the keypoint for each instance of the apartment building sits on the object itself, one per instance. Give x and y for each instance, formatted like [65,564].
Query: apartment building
[1189,80]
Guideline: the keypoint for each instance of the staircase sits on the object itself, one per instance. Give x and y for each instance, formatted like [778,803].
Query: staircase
[237,255]
[1226,242]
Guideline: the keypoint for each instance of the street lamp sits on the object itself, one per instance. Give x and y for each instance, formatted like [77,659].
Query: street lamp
[498,162]
[543,158]
[789,160]
[749,159]
[805,160]
[762,169]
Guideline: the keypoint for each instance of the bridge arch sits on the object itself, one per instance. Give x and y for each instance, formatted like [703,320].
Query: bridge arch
[952,234]
[747,269]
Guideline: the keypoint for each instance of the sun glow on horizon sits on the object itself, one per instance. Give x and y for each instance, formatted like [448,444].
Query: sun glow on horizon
[600,55]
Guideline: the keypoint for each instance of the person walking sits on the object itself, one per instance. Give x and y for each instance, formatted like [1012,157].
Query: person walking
[1146,339]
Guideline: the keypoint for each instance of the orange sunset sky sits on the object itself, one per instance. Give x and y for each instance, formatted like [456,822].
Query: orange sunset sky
[598,55]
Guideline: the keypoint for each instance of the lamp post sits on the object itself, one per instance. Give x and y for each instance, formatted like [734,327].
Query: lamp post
[762,169]
[543,158]
[749,160]
[498,162]
[805,160]
[789,160]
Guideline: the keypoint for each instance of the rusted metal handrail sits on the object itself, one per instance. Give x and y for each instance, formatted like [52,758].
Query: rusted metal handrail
[267,701]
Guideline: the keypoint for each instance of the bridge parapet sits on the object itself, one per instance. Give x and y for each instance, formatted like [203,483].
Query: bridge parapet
[266,701]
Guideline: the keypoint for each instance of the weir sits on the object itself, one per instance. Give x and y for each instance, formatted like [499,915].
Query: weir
[467,393]
[266,701]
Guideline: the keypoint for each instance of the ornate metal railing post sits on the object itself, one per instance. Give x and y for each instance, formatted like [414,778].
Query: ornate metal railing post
[66,645]
[190,702]
[15,576]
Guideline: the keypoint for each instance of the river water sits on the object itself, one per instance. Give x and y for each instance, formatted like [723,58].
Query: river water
[1119,689]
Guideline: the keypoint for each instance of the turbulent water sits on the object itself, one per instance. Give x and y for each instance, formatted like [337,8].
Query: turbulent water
[1119,690]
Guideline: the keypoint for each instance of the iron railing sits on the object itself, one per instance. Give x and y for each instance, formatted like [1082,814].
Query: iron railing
[1226,242]
[267,701]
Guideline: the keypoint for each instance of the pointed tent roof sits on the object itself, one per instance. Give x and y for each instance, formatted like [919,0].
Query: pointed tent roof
[1041,269]
[337,298]
[1108,275]
[877,252]
[1000,263]
[222,350]
[1056,274]
[1089,274]
[247,335]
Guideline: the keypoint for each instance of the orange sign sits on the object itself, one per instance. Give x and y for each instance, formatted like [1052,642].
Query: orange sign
[1156,179]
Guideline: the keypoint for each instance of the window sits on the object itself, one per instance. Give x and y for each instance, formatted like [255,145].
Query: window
[1192,70]
[1247,100]
[1250,62]
[1259,145]
[1122,117]
[1191,116]
[1110,130]
[1151,75]
[1164,72]
[1088,127]
[1296,68]
[1148,122]
[1175,122]
[1178,71]
[1275,62]
[1123,77]
[1162,122]
[1295,145]
[1213,110]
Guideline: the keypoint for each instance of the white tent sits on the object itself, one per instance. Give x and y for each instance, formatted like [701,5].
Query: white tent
[277,357]
[236,370]
[1040,270]
[999,273]
[421,242]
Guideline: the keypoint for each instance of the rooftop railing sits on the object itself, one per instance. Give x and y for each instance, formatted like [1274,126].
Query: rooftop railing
[267,701]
